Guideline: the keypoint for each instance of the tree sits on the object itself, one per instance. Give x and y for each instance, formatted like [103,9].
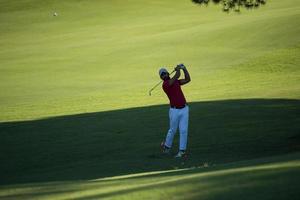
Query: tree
[233,4]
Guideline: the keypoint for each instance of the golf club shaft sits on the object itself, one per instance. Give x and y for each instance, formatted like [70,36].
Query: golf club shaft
[158,84]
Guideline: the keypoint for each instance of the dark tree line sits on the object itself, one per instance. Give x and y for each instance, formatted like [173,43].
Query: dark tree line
[233,4]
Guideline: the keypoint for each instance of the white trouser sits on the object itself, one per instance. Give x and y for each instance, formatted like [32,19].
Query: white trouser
[178,118]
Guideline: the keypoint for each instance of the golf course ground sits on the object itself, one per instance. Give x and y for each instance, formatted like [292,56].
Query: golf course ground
[76,120]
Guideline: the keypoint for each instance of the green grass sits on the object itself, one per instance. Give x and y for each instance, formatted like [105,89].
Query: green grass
[97,145]
[104,55]
[270,178]
[75,114]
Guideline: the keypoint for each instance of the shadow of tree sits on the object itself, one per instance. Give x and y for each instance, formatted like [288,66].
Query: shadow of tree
[95,145]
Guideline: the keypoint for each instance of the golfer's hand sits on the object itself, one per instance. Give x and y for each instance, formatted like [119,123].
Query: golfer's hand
[177,68]
[181,66]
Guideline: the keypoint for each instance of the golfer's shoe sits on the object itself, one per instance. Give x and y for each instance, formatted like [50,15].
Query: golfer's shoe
[181,154]
[164,148]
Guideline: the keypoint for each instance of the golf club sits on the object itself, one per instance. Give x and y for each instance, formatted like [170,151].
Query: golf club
[158,84]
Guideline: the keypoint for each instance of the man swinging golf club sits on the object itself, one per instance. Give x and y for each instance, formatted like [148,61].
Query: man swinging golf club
[179,110]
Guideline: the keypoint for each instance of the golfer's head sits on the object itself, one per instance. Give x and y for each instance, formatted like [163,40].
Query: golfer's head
[164,74]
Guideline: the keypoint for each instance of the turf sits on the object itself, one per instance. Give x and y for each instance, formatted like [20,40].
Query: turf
[74,104]
[270,178]
[105,55]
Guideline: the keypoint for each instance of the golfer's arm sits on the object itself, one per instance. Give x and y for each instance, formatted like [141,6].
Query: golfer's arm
[175,77]
[187,77]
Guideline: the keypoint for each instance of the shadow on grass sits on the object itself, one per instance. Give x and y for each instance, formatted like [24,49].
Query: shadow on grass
[256,179]
[95,145]
[252,182]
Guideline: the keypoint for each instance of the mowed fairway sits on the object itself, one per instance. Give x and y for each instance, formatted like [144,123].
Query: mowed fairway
[76,121]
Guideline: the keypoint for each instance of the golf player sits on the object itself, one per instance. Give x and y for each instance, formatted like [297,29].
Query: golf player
[179,110]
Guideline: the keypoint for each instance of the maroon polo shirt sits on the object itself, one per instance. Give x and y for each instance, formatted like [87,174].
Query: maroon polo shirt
[174,93]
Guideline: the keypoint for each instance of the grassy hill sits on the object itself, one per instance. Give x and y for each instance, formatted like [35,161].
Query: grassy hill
[104,55]
[76,121]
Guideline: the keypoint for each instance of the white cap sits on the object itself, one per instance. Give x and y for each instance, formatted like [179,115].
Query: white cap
[162,70]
